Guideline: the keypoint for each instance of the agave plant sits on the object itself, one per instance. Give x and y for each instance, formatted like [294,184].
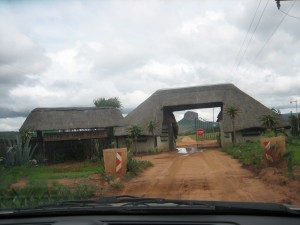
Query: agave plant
[19,153]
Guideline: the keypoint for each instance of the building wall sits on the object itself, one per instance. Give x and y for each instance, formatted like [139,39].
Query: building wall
[146,146]
[142,146]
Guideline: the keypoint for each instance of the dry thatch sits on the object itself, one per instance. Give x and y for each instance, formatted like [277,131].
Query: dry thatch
[73,118]
[222,95]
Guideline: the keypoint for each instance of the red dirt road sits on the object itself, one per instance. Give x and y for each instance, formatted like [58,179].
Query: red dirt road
[208,175]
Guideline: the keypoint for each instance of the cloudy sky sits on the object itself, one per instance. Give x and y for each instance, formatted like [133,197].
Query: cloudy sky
[67,53]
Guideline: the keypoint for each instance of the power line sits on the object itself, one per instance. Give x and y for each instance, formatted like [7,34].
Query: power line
[237,56]
[269,38]
[274,31]
[252,35]
[286,13]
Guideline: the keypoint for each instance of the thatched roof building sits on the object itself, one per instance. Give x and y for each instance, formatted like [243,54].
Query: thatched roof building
[221,95]
[73,118]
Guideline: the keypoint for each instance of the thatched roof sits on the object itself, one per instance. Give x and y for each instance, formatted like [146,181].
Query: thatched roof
[73,118]
[222,95]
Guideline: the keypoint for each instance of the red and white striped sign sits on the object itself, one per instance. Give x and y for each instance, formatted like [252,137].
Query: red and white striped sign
[119,162]
[268,150]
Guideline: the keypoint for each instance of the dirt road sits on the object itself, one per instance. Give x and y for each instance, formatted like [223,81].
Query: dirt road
[207,175]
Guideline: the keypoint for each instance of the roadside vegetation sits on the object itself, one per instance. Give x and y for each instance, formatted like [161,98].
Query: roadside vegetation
[250,154]
[40,184]
[25,182]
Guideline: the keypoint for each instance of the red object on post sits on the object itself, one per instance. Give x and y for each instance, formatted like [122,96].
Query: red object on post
[200,132]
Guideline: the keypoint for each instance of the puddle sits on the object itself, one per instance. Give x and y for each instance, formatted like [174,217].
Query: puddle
[188,150]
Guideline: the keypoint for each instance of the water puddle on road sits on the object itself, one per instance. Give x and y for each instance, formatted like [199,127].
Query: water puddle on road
[188,150]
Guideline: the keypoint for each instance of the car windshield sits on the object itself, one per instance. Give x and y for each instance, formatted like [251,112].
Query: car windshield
[186,100]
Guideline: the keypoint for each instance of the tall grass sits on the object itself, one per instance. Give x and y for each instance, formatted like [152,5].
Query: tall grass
[248,153]
[38,193]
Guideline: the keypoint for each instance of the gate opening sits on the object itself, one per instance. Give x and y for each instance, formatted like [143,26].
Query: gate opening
[198,129]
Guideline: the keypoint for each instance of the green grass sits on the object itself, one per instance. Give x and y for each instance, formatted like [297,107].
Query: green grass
[37,179]
[37,193]
[37,190]
[293,144]
[248,153]
[43,173]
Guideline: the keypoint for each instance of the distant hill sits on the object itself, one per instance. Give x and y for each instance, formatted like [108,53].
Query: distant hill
[187,124]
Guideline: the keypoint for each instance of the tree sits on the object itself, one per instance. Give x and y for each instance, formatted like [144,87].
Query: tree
[134,132]
[232,112]
[110,102]
[270,122]
[152,125]
[294,125]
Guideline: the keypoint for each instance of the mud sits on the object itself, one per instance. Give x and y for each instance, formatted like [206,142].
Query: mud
[210,175]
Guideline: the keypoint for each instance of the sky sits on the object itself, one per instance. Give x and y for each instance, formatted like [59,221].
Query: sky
[67,53]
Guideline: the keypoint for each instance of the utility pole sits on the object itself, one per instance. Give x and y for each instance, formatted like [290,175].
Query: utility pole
[296,101]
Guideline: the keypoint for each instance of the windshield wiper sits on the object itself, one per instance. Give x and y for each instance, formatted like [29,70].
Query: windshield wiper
[128,203]
[125,201]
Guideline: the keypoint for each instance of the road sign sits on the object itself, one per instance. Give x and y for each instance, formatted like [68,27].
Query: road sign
[118,162]
[200,132]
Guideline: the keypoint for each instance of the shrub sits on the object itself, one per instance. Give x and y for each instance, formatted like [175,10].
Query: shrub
[19,153]
[136,166]
[116,185]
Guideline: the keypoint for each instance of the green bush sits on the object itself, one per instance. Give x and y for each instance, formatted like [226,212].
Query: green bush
[116,185]
[136,166]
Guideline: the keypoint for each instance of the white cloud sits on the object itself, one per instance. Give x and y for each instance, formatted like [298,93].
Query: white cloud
[11,124]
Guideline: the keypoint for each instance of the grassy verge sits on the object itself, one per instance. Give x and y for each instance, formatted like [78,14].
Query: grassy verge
[250,153]
[38,193]
[293,144]
[37,189]
[41,189]
[43,173]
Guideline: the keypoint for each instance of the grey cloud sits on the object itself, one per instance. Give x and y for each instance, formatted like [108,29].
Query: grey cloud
[7,113]
[20,58]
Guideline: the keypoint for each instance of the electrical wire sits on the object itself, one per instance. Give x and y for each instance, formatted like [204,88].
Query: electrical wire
[239,52]
[252,35]
[269,38]
[289,14]
[274,31]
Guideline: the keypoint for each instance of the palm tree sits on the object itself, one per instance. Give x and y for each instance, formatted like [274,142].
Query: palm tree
[134,132]
[270,122]
[152,125]
[232,112]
